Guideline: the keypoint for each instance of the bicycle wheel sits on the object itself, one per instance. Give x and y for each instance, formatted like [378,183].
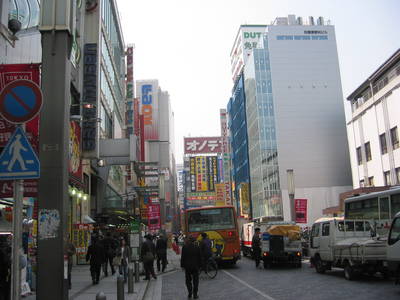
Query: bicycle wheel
[211,269]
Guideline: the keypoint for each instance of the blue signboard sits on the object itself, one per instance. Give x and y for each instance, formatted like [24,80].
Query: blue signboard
[18,159]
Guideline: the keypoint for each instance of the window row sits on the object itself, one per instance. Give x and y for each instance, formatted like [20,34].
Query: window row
[394,138]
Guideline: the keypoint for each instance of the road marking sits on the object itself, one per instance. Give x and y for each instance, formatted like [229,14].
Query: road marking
[249,286]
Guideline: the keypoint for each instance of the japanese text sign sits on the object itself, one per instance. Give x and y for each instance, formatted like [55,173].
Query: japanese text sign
[197,145]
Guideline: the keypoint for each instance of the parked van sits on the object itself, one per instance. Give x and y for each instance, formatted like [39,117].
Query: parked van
[393,250]
[347,244]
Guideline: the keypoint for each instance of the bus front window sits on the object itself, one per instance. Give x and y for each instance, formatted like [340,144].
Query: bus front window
[210,219]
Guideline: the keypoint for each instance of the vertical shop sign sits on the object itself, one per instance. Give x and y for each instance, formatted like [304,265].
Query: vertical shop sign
[89,124]
[193,178]
[244,199]
[75,161]
[300,207]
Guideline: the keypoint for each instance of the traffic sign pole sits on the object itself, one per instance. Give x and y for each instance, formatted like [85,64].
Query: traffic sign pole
[17,237]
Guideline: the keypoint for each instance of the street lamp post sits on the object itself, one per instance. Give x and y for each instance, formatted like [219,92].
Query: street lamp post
[291,188]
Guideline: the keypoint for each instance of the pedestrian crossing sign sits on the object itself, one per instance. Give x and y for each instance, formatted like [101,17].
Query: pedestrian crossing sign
[18,159]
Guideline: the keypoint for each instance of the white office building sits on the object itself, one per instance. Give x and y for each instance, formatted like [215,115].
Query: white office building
[295,119]
[373,129]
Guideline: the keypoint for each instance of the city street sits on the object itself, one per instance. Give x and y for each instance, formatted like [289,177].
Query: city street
[245,282]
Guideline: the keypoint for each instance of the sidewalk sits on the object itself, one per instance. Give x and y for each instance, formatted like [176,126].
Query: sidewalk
[83,289]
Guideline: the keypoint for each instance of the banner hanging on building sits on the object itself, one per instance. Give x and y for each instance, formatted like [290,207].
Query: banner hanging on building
[300,207]
[75,157]
[199,145]
[154,217]
[147,92]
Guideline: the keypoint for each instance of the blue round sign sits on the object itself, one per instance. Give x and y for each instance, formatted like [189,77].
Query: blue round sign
[20,101]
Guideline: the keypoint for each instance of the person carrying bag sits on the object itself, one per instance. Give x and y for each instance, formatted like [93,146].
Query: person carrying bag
[147,254]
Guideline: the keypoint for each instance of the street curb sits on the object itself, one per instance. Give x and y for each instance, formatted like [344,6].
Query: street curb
[141,297]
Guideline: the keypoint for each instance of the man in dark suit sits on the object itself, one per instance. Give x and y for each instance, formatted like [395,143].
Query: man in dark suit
[161,250]
[96,255]
[191,262]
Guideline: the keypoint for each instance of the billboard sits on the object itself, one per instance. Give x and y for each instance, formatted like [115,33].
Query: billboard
[147,92]
[201,174]
[153,215]
[193,174]
[220,194]
[300,207]
[201,145]
[89,97]
[246,39]
[244,199]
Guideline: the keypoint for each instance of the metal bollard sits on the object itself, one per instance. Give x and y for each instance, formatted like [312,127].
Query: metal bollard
[120,288]
[130,280]
[101,296]
[137,271]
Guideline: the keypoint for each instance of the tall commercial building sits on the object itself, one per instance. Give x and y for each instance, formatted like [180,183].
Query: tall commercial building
[237,125]
[295,119]
[373,129]
[158,140]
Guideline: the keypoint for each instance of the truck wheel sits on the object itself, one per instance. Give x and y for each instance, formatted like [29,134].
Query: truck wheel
[319,266]
[349,272]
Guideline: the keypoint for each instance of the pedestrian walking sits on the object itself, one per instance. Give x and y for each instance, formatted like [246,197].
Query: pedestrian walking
[161,251]
[124,254]
[147,254]
[96,255]
[110,248]
[256,246]
[205,249]
[70,251]
[191,262]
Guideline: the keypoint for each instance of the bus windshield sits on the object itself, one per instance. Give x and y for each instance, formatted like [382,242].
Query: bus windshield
[210,219]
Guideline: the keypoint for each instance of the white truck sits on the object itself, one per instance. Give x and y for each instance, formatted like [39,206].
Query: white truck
[393,248]
[246,238]
[281,243]
[347,244]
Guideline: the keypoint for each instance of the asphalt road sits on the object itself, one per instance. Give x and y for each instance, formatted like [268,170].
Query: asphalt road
[244,281]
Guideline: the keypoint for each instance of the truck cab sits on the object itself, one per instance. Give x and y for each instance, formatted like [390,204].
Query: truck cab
[393,248]
[348,244]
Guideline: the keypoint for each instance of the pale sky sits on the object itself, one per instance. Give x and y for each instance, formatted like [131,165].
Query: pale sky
[185,44]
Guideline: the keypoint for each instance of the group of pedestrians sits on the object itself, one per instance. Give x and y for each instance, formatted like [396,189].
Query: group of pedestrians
[154,248]
[108,251]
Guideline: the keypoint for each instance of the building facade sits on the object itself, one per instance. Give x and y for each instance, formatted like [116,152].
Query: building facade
[373,129]
[158,141]
[295,119]
[237,125]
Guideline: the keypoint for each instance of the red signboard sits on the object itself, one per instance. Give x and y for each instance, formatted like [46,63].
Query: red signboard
[300,206]
[8,74]
[153,216]
[197,145]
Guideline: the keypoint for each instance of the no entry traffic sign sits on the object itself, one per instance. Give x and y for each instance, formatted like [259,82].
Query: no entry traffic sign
[20,101]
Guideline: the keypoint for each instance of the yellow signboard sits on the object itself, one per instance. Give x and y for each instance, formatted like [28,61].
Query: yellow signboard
[244,199]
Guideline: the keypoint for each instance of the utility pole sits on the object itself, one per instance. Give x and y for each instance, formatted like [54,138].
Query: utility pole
[55,28]
[291,189]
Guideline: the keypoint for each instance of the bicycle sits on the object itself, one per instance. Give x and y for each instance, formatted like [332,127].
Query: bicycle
[211,268]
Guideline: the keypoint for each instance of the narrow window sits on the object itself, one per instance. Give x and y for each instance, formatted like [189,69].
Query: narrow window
[371,181]
[382,139]
[395,137]
[386,176]
[368,151]
[359,157]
